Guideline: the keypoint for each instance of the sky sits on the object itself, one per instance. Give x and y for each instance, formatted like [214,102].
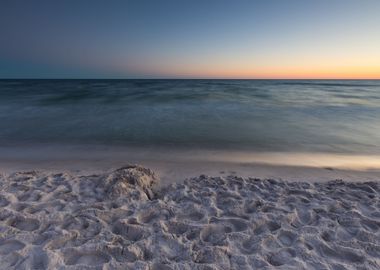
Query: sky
[190,39]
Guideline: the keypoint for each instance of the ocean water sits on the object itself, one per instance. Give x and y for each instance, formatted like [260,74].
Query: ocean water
[303,116]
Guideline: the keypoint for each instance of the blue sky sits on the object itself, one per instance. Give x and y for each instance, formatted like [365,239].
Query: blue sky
[190,39]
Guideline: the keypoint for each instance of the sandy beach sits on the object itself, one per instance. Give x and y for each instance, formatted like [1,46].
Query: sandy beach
[190,135]
[124,219]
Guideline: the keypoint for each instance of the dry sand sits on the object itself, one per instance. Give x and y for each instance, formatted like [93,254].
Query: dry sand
[124,220]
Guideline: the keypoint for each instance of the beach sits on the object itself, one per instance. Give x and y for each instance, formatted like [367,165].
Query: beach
[126,219]
[233,174]
[190,135]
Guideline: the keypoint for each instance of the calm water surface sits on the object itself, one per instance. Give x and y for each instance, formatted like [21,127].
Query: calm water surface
[331,116]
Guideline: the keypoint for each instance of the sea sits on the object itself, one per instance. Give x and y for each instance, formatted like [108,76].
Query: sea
[337,117]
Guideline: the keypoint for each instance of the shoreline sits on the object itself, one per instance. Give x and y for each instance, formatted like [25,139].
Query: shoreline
[174,165]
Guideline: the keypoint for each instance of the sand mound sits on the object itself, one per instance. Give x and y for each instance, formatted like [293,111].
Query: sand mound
[122,181]
[113,221]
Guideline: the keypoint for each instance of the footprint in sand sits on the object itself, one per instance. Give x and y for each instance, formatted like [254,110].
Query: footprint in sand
[212,255]
[371,225]
[281,257]
[328,236]
[89,226]
[19,207]
[192,215]
[236,224]
[192,234]
[129,231]
[32,196]
[305,216]
[124,254]
[160,266]
[214,234]
[251,245]
[91,258]
[252,206]
[3,201]
[25,224]
[37,259]
[176,228]
[11,261]
[273,226]
[8,246]
[341,253]
[287,238]
[58,241]
[149,216]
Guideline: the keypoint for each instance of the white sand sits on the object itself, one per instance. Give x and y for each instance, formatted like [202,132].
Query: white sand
[120,220]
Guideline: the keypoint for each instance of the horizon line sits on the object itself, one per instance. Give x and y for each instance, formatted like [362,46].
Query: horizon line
[182,78]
